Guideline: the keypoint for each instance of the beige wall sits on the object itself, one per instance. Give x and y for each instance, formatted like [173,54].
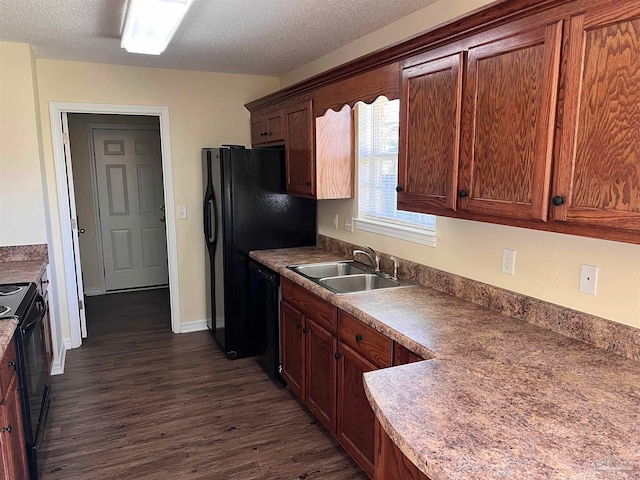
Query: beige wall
[443,11]
[22,220]
[547,264]
[82,181]
[206,109]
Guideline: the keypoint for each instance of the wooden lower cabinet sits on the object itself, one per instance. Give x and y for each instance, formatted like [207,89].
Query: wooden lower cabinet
[321,374]
[293,351]
[13,455]
[325,353]
[356,420]
[390,462]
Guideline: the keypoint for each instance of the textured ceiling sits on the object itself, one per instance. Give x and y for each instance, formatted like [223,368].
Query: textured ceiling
[270,37]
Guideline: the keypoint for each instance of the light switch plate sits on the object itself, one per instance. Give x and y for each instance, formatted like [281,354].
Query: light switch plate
[182,212]
[336,220]
[348,223]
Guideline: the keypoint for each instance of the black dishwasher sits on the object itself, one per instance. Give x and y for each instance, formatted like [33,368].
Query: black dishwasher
[264,308]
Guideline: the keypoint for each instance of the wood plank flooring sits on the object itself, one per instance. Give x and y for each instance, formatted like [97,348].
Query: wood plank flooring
[138,402]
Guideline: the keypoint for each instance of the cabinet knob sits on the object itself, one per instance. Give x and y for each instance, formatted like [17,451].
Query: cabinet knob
[557,200]
[12,364]
[399,189]
[6,429]
[308,184]
[358,338]
[263,134]
[298,325]
[336,356]
[305,330]
[463,193]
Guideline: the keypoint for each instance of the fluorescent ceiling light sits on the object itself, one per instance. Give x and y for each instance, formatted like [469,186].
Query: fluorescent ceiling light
[150,24]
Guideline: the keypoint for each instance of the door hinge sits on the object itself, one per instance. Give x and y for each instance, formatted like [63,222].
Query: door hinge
[74,223]
[80,305]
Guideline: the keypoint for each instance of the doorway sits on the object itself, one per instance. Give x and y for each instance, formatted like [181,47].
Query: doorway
[71,295]
[118,185]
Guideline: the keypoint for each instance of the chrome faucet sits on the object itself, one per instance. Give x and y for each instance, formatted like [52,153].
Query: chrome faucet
[394,260]
[372,256]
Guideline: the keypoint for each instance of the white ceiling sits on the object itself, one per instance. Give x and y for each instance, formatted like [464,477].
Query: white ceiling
[267,37]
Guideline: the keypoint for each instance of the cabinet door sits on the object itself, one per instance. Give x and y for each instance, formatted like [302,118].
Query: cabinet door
[12,442]
[258,136]
[391,462]
[509,110]
[292,339]
[274,125]
[356,420]
[429,135]
[321,374]
[598,175]
[299,149]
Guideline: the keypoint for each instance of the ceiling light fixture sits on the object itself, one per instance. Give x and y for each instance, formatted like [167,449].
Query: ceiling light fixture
[150,24]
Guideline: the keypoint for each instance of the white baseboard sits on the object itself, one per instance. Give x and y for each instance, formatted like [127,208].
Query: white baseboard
[93,292]
[195,326]
[58,364]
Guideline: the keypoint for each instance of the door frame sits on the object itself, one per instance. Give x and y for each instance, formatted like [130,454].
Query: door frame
[56,110]
[94,185]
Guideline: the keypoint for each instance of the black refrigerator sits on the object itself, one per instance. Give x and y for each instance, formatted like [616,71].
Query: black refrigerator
[245,208]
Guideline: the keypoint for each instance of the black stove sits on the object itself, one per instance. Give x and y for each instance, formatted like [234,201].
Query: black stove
[15,299]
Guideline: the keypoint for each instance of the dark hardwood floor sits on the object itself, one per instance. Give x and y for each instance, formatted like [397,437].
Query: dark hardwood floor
[138,402]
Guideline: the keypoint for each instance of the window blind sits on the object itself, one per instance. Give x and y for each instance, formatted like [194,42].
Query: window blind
[378,125]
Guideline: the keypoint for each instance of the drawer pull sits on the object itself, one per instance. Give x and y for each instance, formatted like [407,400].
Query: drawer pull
[6,429]
[12,364]
[358,338]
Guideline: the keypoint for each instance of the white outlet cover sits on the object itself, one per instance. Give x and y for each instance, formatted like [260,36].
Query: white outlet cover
[588,279]
[182,212]
[508,261]
[348,224]
[336,220]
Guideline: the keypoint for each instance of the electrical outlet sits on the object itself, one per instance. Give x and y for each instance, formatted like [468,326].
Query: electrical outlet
[588,279]
[182,212]
[336,220]
[508,261]
[348,224]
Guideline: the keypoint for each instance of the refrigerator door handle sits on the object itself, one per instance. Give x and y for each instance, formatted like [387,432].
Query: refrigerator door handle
[214,235]
[211,211]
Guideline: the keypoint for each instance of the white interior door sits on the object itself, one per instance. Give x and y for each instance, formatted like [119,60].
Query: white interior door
[131,208]
[74,228]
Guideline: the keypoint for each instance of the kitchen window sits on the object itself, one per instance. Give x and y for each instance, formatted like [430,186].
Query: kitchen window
[377,126]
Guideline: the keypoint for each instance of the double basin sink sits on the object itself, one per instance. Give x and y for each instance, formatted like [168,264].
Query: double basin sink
[347,276]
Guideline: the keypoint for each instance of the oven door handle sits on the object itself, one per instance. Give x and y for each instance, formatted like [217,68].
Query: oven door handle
[42,311]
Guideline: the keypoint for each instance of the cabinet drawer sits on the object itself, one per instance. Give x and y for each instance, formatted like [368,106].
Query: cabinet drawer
[7,368]
[369,343]
[315,307]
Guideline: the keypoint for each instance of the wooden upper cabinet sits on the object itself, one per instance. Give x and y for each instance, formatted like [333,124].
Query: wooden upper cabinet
[431,94]
[598,174]
[509,107]
[267,126]
[300,148]
[319,152]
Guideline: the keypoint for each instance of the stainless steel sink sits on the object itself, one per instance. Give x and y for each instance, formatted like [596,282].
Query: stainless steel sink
[358,283]
[347,276]
[329,269]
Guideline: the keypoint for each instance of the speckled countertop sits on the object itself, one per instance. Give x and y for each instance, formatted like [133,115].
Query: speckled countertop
[22,271]
[501,398]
